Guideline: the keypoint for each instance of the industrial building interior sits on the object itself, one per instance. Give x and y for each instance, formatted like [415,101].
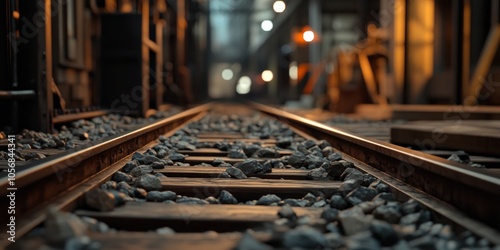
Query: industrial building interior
[74,57]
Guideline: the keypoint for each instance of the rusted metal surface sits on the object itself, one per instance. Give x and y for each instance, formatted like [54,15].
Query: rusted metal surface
[465,188]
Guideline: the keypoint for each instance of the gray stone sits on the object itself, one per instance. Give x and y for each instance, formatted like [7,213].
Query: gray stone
[236,173]
[296,202]
[383,232]
[268,199]
[148,182]
[320,203]
[336,201]
[328,151]
[391,214]
[212,200]
[410,206]
[61,226]
[95,225]
[121,176]
[424,242]
[109,185]
[227,198]
[335,240]
[248,242]
[236,154]
[349,185]
[353,220]
[183,145]
[160,196]
[250,149]
[250,166]
[160,175]
[284,142]
[362,241]
[224,175]
[317,174]
[369,206]
[286,211]
[338,167]
[267,167]
[266,153]
[308,143]
[330,215]
[191,201]
[141,170]
[354,175]
[304,237]
[217,161]
[165,231]
[323,144]
[383,188]
[362,193]
[139,193]
[296,159]
[385,196]
[353,201]
[157,165]
[312,161]
[176,157]
[100,200]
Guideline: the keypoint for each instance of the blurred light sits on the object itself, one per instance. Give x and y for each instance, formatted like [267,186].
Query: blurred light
[267,75]
[266,25]
[308,36]
[293,71]
[227,74]
[243,86]
[279,6]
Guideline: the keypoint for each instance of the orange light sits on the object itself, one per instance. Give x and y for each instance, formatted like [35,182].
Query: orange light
[305,35]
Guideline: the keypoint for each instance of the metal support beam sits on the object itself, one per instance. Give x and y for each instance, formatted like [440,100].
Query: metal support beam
[457,49]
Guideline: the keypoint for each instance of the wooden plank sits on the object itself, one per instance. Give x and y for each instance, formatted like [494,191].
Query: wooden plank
[213,172]
[247,140]
[197,160]
[217,152]
[467,136]
[142,216]
[247,189]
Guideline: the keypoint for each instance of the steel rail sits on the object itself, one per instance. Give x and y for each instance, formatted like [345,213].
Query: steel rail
[465,188]
[38,183]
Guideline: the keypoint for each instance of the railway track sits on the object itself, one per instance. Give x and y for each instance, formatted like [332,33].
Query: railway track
[272,185]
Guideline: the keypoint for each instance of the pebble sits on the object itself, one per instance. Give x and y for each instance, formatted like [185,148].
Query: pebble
[248,242]
[227,198]
[266,153]
[287,212]
[312,161]
[148,182]
[349,185]
[250,166]
[95,225]
[383,232]
[385,196]
[330,215]
[165,231]
[362,193]
[236,173]
[410,206]
[353,220]
[224,175]
[236,154]
[296,202]
[130,165]
[139,193]
[391,214]
[61,226]
[284,142]
[268,199]
[362,241]
[317,174]
[296,159]
[336,201]
[157,165]
[176,157]
[320,203]
[141,170]
[250,149]
[109,185]
[121,176]
[212,200]
[160,196]
[100,200]
[191,201]
[304,237]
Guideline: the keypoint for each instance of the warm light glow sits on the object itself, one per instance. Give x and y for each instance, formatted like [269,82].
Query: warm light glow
[243,86]
[279,6]
[293,71]
[227,74]
[267,75]
[266,25]
[308,36]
